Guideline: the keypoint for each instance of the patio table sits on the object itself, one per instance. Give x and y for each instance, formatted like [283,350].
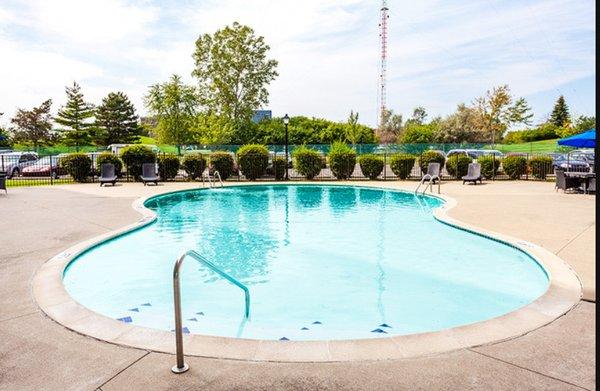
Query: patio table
[584,177]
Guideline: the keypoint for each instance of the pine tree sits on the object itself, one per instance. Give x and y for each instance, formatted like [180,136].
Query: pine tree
[75,117]
[116,120]
[560,114]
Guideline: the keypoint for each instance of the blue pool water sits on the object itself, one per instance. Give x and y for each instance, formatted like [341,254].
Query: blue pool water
[321,262]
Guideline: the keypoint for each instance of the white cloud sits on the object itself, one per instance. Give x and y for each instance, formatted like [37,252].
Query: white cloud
[442,52]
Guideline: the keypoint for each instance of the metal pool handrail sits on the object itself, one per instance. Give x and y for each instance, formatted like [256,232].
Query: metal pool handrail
[181,365]
[211,181]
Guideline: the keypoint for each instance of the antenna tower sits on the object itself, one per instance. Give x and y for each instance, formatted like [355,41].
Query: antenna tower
[383,37]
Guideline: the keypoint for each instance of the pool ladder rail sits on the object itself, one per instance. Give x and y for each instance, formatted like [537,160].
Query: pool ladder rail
[429,179]
[181,365]
[211,179]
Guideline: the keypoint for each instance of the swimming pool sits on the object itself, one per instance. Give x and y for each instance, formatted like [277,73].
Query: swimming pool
[321,262]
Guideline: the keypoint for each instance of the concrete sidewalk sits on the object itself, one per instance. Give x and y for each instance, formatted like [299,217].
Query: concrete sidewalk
[37,353]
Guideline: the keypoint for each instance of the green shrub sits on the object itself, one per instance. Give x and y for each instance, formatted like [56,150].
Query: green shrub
[168,166]
[107,157]
[458,165]
[514,166]
[431,157]
[194,165]
[78,165]
[278,168]
[134,156]
[489,166]
[342,160]
[402,164]
[540,166]
[371,165]
[307,162]
[253,160]
[222,161]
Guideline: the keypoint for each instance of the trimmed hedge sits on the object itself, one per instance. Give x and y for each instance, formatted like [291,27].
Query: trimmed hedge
[78,165]
[308,162]
[342,160]
[489,166]
[279,167]
[431,157]
[134,156]
[514,166]
[402,164]
[253,160]
[458,165]
[107,157]
[168,166]
[194,165]
[540,166]
[223,162]
[371,165]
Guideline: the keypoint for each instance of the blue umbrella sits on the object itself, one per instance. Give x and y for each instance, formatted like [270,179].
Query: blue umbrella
[581,140]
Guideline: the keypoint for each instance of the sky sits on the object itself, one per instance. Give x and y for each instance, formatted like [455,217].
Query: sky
[441,52]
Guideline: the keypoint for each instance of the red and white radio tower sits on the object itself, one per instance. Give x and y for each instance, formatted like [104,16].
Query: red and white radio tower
[383,77]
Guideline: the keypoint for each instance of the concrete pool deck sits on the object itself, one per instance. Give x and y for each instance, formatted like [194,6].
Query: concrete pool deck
[35,352]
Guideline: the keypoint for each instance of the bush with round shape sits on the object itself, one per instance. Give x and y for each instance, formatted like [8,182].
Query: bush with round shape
[134,156]
[489,166]
[342,160]
[458,165]
[168,166]
[540,166]
[371,165]
[431,157]
[253,160]
[221,161]
[107,157]
[514,166]
[78,165]
[308,162]
[194,165]
[278,168]
[402,164]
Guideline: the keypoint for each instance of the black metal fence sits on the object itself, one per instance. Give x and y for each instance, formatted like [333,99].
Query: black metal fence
[26,169]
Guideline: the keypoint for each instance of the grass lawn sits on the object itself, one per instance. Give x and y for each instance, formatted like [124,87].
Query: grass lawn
[544,146]
[20,182]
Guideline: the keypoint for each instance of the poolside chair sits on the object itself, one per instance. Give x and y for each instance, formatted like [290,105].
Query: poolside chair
[564,182]
[149,174]
[3,181]
[473,174]
[433,174]
[591,185]
[107,174]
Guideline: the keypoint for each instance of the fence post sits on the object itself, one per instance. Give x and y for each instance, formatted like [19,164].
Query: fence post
[51,172]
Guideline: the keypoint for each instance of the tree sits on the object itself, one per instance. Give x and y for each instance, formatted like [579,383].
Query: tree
[352,130]
[415,133]
[583,123]
[419,116]
[175,106]
[233,71]
[33,126]
[390,127]
[76,118]
[116,120]
[497,111]
[4,139]
[560,114]
[461,126]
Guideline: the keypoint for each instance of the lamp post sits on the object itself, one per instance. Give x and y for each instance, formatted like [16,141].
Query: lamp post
[286,121]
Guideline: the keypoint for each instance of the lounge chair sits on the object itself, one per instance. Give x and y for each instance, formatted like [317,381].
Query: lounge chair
[564,182]
[591,186]
[3,181]
[149,174]
[433,175]
[107,174]
[473,174]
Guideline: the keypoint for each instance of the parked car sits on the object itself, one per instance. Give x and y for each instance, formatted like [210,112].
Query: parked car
[472,153]
[46,166]
[568,163]
[586,155]
[13,163]
[492,152]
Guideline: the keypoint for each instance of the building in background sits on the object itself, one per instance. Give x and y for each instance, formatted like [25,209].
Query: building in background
[260,115]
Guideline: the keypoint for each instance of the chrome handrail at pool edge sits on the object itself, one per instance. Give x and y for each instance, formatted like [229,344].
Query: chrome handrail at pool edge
[181,365]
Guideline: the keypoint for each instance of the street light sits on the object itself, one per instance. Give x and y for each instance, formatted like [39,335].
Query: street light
[286,121]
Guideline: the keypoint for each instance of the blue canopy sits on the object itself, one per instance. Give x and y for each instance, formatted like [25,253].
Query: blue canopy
[581,140]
